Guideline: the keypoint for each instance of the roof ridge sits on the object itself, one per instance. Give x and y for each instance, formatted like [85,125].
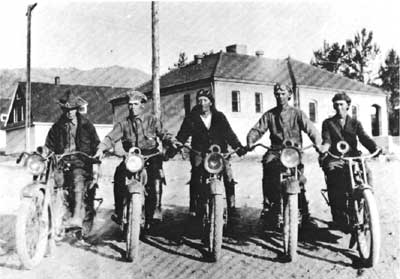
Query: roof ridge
[217,64]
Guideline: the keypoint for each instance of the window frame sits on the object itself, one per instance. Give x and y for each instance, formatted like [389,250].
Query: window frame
[260,95]
[315,118]
[236,102]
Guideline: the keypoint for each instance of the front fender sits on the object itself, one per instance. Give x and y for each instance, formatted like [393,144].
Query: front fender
[29,190]
[216,187]
[135,187]
[291,186]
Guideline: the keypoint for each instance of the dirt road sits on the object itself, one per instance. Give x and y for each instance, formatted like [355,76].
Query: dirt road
[173,249]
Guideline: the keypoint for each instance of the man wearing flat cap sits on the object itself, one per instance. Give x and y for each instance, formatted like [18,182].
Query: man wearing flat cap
[207,126]
[138,130]
[341,127]
[284,122]
[73,132]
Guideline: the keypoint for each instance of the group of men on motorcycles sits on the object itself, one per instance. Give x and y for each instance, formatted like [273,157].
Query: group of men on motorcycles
[207,126]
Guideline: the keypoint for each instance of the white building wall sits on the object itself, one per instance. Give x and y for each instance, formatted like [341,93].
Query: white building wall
[242,121]
[2,139]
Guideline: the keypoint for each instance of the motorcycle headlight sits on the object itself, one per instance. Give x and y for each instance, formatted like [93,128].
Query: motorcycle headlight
[35,164]
[214,163]
[290,157]
[134,163]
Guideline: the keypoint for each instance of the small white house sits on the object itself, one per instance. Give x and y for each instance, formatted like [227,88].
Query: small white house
[46,110]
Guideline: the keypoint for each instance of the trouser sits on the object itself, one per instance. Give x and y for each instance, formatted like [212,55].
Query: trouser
[339,187]
[271,183]
[77,180]
[153,186]
[196,178]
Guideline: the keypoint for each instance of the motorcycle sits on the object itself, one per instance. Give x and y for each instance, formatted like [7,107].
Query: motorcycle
[46,205]
[291,180]
[210,200]
[361,211]
[139,203]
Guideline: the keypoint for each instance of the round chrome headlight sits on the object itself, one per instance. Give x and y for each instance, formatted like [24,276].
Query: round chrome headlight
[343,147]
[35,164]
[214,163]
[134,163]
[290,157]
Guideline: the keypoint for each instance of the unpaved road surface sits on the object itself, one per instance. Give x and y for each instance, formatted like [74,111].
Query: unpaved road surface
[173,249]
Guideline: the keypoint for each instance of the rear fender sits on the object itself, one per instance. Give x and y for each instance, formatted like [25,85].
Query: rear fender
[216,187]
[29,190]
[291,186]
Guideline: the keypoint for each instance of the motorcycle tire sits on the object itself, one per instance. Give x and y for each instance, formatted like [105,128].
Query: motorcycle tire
[32,230]
[290,227]
[216,227]
[133,227]
[369,234]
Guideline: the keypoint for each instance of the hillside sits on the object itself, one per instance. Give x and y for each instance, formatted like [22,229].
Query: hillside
[111,76]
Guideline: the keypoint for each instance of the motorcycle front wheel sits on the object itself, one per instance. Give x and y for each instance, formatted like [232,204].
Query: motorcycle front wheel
[133,227]
[368,233]
[216,226]
[32,230]
[290,227]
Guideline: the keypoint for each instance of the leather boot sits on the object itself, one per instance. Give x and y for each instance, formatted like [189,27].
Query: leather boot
[158,194]
[79,211]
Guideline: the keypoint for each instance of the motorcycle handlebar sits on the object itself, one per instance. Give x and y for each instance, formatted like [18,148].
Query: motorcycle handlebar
[251,148]
[91,158]
[225,155]
[363,157]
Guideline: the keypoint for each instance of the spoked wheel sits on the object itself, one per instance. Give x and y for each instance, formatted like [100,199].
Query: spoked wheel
[216,227]
[133,227]
[290,227]
[32,230]
[368,233]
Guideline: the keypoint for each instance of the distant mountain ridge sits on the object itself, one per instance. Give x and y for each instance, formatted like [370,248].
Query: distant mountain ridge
[115,76]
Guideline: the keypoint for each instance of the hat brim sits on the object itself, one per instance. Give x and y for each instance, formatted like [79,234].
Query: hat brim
[69,107]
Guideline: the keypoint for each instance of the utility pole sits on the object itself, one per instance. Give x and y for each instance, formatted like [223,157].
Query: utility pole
[155,58]
[28,82]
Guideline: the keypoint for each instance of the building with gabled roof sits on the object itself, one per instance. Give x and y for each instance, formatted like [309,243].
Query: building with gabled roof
[242,85]
[46,110]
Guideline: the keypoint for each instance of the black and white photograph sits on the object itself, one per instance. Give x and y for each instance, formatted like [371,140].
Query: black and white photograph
[199,139]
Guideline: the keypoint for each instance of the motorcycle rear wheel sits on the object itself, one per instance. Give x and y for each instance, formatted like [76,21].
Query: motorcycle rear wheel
[216,227]
[133,227]
[290,227]
[32,230]
[368,235]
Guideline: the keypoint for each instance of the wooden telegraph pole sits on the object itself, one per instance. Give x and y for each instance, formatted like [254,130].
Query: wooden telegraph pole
[155,58]
[28,82]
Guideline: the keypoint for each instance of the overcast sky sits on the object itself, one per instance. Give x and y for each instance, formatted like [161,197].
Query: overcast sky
[89,34]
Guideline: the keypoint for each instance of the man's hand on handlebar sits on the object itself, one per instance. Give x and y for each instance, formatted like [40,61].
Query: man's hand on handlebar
[241,151]
[99,154]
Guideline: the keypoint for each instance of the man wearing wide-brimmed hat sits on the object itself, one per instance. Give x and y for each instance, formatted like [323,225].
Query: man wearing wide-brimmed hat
[140,130]
[73,132]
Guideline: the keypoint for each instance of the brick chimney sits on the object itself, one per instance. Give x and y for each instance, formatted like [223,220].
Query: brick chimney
[239,49]
[57,80]
[259,53]
[198,58]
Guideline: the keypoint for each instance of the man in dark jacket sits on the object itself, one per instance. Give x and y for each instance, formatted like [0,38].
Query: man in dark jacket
[73,132]
[341,127]
[138,130]
[284,123]
[208,126]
